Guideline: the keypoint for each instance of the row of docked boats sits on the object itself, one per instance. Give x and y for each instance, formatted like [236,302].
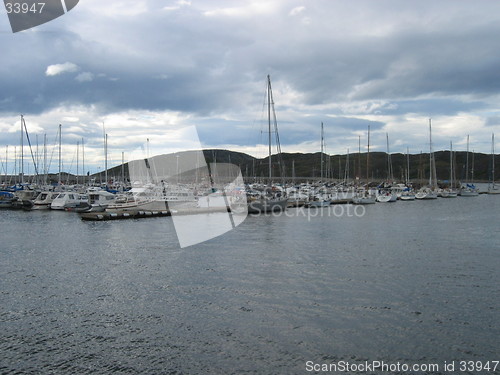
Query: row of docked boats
[319,196]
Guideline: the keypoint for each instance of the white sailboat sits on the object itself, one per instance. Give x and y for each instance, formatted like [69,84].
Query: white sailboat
[407,194]
[450,192]
[469,190]
[429,192]
[361,195]
[320,198]
[271,199]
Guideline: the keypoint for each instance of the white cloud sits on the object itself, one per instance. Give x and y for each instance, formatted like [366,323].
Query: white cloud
[85,77]
[297,10]
[56,69]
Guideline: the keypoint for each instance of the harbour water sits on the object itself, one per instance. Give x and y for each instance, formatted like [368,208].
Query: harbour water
[410,282]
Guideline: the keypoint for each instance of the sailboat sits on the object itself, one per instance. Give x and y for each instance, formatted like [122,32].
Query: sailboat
[407,194]
[450,191]
[386,193]
[469,190]
[320,197]
[492,188]
[271,199]
[429,192]
[362,195]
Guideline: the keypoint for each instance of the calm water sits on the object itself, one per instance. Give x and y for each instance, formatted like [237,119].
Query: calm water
[416,282]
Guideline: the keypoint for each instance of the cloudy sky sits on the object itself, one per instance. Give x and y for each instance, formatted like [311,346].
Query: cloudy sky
[150,69]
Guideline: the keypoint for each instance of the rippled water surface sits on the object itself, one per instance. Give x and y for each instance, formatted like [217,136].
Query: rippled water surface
[416,282]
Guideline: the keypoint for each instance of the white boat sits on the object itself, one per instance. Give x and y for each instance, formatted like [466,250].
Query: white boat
[386,196]
[362,196]
[44,200]
[429,192]
[426,193]
[99,200]
[469,190]
[407,196]
[448,193]
[68,200]
[364,199]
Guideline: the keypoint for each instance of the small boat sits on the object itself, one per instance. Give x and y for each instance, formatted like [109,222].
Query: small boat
[407,196]
[6,199]
[68,200]
[44,200]
[426,193]
[386,196]
[363,197]
[448,193]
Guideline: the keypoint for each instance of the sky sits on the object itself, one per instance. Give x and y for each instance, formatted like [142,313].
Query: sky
[148,70]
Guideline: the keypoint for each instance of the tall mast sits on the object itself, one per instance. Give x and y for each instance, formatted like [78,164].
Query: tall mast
[368,157]
[359,157]
[432,170]
[22,151]
[269,122]
[346,172]
[452,177]
[60,139]
[493,159]
[6,159]
[322,161]
[390,176]
[407,165]
[123,172]
[45,159]
[77,155]
[106,158]
[467,162]
[83,161]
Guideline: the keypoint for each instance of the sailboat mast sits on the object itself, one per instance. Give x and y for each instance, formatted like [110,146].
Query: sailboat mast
[83,161]
[493,159]
[22,151]
[106,158]
[269,124]
[451,166]
[60,139]
[432,170]
[322,161]
[6,159]
[359,157]
[77,156]
[407,165]
[368,157]
[467,162]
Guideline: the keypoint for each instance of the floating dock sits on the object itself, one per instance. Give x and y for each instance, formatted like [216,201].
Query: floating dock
[122,215]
